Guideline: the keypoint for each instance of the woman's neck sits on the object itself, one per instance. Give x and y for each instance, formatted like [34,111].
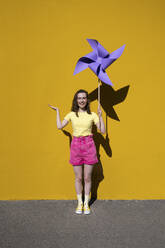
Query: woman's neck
[81,110]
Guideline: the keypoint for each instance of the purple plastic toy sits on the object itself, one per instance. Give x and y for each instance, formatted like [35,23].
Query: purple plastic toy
[98,60]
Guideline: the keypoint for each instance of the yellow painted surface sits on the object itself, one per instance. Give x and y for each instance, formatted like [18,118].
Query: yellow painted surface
[40,43]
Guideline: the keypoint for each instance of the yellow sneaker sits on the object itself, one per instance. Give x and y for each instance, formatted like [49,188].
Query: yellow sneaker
[79,209]
[86,209]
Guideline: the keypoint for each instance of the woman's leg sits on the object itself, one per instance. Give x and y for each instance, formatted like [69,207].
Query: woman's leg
[78,186]
[87,178]
[78,178]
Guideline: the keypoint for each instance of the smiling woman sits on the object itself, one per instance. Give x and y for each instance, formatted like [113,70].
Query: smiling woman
[81,100]
[83,150]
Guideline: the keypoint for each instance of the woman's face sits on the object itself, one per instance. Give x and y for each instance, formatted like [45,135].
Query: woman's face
[82,100]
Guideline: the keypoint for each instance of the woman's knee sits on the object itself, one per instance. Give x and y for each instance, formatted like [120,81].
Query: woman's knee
[78,179]
[87,178]
[78,173]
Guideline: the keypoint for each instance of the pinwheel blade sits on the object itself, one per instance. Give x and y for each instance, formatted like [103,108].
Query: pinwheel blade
[83,62]
[112,57]
[107,62]
[93,44]
[104,78]
[116,54]
[99,49]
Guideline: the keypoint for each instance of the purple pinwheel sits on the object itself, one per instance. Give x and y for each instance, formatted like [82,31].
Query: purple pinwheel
[98,60]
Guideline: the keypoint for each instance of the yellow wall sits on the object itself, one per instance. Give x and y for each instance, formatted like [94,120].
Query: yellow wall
[40,43]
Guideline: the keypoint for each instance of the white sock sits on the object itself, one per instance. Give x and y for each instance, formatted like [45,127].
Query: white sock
[79,197]
[86,200]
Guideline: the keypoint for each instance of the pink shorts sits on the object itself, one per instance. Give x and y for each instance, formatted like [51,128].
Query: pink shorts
[83,150]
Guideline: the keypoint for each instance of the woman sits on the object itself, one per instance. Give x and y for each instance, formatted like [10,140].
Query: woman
[83,150]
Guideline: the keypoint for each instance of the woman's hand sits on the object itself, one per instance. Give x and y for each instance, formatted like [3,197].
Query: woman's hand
[55,108]
[99,111]
[100,125]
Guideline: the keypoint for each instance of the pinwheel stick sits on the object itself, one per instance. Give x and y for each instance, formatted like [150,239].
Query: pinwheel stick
[98,92]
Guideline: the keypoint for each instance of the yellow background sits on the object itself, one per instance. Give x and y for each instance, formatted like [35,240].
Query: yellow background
[40,43]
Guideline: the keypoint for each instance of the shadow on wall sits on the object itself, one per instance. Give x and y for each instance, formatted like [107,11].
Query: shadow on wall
[108,98]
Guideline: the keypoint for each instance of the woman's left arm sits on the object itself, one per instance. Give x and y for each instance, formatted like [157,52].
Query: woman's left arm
[100,125]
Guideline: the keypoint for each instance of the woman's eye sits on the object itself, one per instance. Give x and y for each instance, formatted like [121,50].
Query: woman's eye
[81,98]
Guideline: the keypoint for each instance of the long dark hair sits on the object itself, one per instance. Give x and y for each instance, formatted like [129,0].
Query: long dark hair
[75,106]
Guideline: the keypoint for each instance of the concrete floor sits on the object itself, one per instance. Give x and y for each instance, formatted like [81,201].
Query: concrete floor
[111,224]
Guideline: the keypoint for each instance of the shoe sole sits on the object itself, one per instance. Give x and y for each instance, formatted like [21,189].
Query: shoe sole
[78,212]
[86,212]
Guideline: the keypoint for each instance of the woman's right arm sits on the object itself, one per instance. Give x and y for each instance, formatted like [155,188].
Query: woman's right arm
[59,124]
